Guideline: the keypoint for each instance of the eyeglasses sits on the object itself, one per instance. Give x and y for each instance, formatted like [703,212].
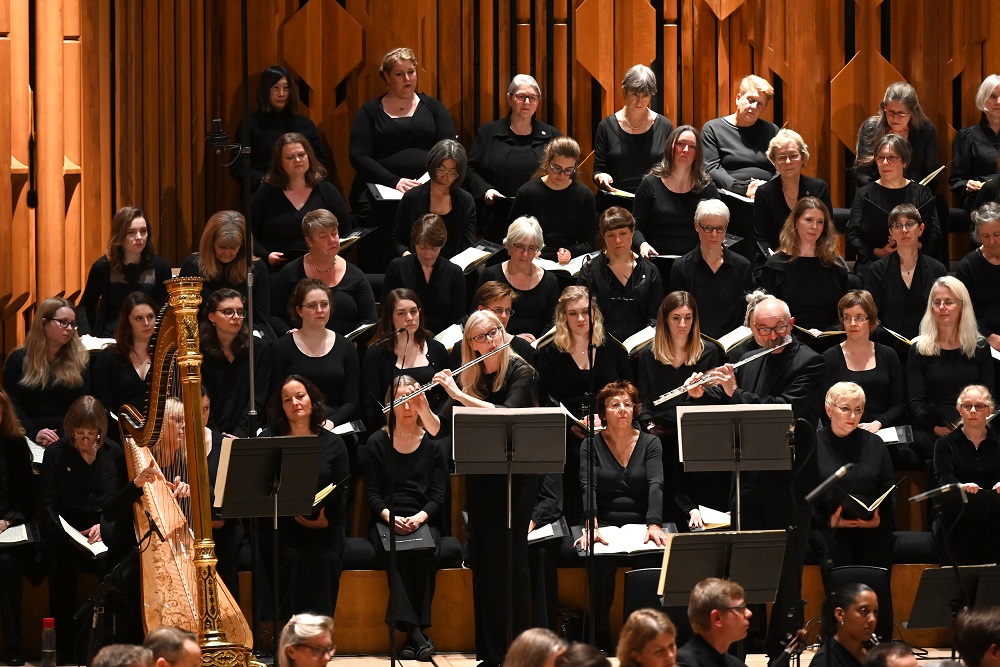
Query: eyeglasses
[620,405]
[976,407]
[441,172]
[489,335]
[319,651]
[712,230]
[524,98]
[317,305]
[788,157]
[943,303]
[860,319]
[891,159]
[896,114]
[779,329]
[847,410]
[556,169]
[65,324]
[502,312]
[232,314]
[741,608]
[908,225]
[530,249]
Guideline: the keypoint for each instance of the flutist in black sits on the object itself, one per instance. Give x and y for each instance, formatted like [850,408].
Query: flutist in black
[503,380]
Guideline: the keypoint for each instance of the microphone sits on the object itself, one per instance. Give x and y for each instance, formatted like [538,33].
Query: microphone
[388,336]
[920,497]
[217,138]
[153,527]
[828,482]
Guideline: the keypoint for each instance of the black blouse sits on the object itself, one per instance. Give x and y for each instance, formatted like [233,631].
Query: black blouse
[568,217]
[228,387]
[869,478]
[336,373]
[420,478]
[264,129]
[442,298]
[900,308]
[534,309]
[629,307]
[72,488]
[633,494]
[277,224]
[665,219]
[39,408]
[656,379]
[923,142]
[810,288]
[974,157]
[353,301]
[562,380]
[884,385]
[261,291]
[770,210]
[934,382]
[380,369]
[887,199]
[721,295]
[115,382]
[106,290]
[627,157]
[981,278]
[460,221]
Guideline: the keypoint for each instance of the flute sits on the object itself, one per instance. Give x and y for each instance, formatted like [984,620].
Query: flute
[427,387]
[685,388]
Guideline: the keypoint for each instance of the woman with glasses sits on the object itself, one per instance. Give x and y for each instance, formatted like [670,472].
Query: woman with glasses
[502,380]
[225,370]
[627,488]
[980,271]
[668,195]
[306,641]
[806,272]
[442,195]
[970,456]
[628,287]
[629,141]
[851,534]
[537,290]
[49,372]
[293,187]
[506,153]
[353,299]
[129,265]
[119,375]
[949,354]
[901,281]
[892,155]
[975,150]
[900,114]
[563,206]
[325,357]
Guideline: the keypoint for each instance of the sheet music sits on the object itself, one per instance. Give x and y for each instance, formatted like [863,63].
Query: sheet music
[14,534]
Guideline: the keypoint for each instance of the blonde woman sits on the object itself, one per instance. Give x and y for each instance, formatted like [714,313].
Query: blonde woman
[648,639]
[306,641]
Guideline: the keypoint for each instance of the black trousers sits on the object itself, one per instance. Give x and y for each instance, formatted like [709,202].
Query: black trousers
[65,562]
[543,563]
[604,592]
[308,572]
[12,561]
[415,579]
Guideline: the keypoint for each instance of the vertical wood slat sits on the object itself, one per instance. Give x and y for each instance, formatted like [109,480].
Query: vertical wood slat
[49,123]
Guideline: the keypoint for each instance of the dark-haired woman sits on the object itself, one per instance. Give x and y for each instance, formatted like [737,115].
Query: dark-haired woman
[225,371]
[669,194]
[325,357]
[419,477]
[853,611]
[412,352]
[120,370]
[276,114]
[442,195]
[293,187]
[900,114]
[311,547]
[129,265]
[48,373]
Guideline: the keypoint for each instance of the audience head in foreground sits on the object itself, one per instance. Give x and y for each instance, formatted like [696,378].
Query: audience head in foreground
[977,636]
[582,655]
[890,654]
[718,613]
[306,641]
[648,639]
[123,655]
[173,647]
[535,647]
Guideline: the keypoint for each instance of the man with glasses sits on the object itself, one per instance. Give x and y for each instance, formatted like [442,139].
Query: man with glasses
[719,617]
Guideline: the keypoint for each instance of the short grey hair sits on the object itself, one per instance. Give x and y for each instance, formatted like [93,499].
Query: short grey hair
[525,228]
[844,391]
[714,208]
[783,138]
[168,642]
[988,85]
[985,214]
[123,655]
[639,79]
[300,629]
[444,150]
[523,80]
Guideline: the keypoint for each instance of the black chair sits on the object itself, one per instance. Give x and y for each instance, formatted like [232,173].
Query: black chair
[876,578]
[640,593]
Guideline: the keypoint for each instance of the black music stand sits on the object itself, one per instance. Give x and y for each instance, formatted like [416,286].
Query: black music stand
[522,441]
[944,591]
[714,438]
[272,477]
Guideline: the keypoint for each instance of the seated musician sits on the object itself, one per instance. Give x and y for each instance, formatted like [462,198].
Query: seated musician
[119,371]
[499,297]
[854,611]
[719,617]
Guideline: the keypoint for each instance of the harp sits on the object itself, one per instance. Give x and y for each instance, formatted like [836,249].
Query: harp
[179,583]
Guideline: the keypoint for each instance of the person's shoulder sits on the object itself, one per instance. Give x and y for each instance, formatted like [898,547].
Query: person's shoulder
[544,130]
[494,272]
[578,189]
[463,196]
[735,259]
[297,123]
[549,280]
[778,261]
[834,355]
[716,124]
[972,261]
[101,264]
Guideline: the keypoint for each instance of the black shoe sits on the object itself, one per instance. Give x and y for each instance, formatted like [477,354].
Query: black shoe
[407,653]
[15,660]
[425,651]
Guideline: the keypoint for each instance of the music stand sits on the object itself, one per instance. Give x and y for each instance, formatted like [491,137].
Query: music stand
[524,441]
[714,438]
[937,590]
[259,467]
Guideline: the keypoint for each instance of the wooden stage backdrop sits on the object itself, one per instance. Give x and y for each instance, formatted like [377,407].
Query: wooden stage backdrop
[121,93]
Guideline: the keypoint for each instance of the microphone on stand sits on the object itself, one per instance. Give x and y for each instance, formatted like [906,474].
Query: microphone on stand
[217,138]
[153,527]
[828,482]
[933,493]
[388,336]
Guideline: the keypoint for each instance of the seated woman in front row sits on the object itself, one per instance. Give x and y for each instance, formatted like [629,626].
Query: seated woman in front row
[852,610]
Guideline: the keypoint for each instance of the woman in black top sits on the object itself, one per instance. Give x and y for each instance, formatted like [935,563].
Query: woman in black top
[129,265]
[120,370]
[537,290]
[418,471]
[221,261]
[17,506]
[406,349]
[352,297]
[277,104]
[806,271]
[900,114]
[976,150]
[563,206]
[311,547]
[566,375]
[949,354]
[892,154]
[48,373]
[678,351]
[970,456]
[669,194]
[439,283]
[392,133]
[628,287]
[443,195]
[852,534]
[980,271]
[901,281]
[853,611]
[626,488]
[629,141]
[225,371]
[325,357]
[505,154]
[503,380]
[293,187]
